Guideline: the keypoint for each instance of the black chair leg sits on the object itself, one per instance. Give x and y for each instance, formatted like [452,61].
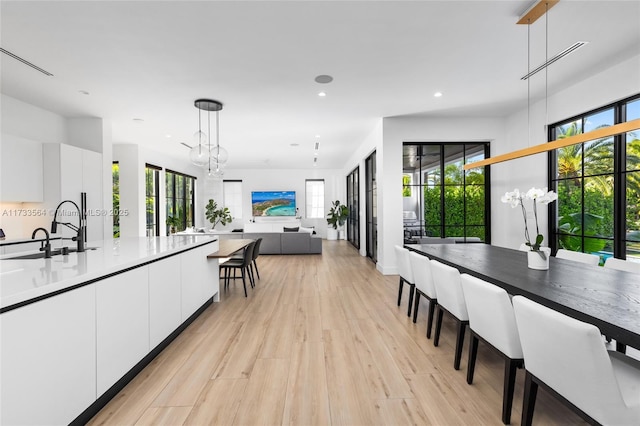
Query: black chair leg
[621,347]
[416,304]
[436,338]
[400,290]
[510,366]
[244,283]
[529,399]
[432,306]
[257,272]
[412,288]
[473,353]
[462,325]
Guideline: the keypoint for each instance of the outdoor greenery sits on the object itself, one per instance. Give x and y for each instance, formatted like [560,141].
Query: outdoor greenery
[585,173]
[115,172]
[217,215]
[464,198]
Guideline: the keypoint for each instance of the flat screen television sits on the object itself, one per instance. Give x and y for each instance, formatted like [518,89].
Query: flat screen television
[273,203]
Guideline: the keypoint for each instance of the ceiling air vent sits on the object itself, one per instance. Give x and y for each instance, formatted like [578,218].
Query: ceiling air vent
[24,61]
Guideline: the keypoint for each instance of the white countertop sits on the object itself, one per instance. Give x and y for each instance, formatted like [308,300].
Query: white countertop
[25,279]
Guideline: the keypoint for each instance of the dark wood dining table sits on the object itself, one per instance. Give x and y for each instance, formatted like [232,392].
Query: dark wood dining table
[607,298]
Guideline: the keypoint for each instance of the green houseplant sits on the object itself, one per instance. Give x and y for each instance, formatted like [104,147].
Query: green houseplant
[217,215]
[173,222]
[337,216]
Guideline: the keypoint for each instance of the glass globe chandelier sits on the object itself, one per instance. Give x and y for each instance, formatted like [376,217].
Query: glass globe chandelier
[203,153]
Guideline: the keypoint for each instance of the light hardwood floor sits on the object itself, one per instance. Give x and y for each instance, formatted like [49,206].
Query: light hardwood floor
[319,341]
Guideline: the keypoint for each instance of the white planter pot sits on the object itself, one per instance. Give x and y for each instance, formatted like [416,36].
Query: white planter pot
[536,261]
[332,234]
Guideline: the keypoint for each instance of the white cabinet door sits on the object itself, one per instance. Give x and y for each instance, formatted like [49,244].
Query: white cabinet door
[70,174]
[211,282]
[164,299]
[192,270]
[48,359]
[21,175]
[122,324]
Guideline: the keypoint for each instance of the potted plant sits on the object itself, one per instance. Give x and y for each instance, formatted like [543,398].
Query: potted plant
[217,215]
[337,216]
[173,222]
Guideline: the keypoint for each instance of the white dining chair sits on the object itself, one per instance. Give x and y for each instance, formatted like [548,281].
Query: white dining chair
[491,320]
[421,267]
[577,256]
[406,275]
[568,357]
[450,299]
[622,265]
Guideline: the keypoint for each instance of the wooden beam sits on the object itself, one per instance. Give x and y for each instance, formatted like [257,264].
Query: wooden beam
[536,11]
[559,143]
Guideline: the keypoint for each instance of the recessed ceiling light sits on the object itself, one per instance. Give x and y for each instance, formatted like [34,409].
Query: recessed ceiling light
[167,136]
[322,94]
[138,120]
[317,136]
[437,94]
[294,144]
[324,79]
[84,92]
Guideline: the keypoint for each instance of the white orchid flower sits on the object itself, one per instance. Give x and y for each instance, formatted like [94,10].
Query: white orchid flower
[535,193]
[547,198]
[513,198]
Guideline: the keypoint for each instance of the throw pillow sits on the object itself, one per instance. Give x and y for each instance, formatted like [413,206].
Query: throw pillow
[303,229]
[290,229]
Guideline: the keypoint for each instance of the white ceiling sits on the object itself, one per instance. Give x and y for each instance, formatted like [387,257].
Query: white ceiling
[152,59]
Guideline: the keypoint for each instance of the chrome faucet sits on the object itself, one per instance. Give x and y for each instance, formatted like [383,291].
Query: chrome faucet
[45,247]
[80,229]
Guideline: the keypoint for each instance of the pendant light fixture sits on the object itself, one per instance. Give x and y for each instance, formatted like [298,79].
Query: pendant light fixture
[539,9]
[202,154]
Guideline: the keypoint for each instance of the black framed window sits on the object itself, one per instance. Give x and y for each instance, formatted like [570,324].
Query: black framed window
[353,202]
[115,176]
[598,185]
[440,199]
[371,188]
[152,199]
[180,199]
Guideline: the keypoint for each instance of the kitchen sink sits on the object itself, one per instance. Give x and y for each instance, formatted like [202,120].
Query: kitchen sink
[40,255]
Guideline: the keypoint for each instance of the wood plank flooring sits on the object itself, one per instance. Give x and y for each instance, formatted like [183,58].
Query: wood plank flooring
[319,341]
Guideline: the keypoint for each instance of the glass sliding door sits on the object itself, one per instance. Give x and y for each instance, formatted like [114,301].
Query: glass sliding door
[152,200]
[371,207]
[353,202]
[439,198]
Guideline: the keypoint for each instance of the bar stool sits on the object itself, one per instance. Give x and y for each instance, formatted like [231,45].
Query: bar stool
[406,275]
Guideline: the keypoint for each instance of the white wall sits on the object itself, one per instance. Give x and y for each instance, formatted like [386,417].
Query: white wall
[278,180]
[371,143]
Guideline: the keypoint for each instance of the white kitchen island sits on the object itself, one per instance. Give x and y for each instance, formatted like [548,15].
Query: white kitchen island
[76,328]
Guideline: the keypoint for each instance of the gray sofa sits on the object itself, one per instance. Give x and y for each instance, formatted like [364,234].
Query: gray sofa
[282,242]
